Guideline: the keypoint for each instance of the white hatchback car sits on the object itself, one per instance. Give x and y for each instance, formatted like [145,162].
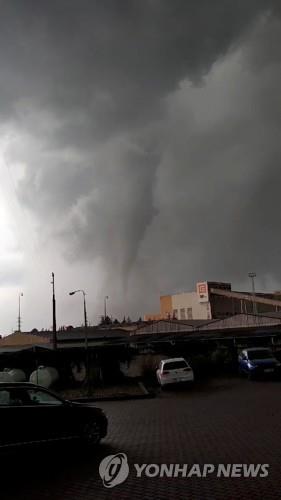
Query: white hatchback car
[173,371]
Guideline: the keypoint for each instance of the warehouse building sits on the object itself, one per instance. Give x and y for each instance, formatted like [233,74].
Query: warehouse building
[214,300]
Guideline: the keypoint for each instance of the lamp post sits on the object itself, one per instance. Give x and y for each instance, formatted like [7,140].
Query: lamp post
[253,276]
[54,313]
[86,327]
[19,316]
[105,313]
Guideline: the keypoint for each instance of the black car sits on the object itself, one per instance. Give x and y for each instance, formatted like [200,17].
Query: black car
[31,414]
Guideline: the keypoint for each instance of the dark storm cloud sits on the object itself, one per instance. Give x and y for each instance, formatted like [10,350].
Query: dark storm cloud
[11,273]
[111,62]
[221,172]
[117,164]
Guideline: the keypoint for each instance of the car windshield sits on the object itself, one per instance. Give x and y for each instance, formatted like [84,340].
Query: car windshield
[40,397]
[260,354]
[174,365]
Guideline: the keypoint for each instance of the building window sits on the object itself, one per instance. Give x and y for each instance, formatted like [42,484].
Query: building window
[189,313]
[175,313]
[182,313]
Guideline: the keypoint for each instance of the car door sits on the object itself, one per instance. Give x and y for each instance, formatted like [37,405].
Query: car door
[15,417]
[51,416]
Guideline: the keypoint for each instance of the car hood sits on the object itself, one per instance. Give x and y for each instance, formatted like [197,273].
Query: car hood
[264,362]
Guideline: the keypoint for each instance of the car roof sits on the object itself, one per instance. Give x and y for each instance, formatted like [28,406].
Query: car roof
[17,384]
[172,359]
[258,349]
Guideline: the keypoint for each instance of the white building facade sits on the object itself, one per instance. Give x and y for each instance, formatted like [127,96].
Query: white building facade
[188,306]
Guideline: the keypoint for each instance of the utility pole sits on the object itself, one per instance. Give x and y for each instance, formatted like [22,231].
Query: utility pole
[105,313]
[85,311]
[54,314]
[252,276]
[86,330]
[19,316]
[86,342]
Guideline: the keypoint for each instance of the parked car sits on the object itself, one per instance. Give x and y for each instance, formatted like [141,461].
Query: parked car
[30,414]
[173,371]
[258,361]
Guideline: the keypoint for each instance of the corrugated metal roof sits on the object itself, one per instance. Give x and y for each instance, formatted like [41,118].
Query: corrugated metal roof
[15,349]
[170,325]
[92,333]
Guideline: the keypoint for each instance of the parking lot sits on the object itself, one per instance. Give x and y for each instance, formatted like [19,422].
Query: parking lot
[224,421]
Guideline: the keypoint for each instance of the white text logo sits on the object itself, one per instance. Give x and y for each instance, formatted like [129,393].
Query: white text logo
[114,469]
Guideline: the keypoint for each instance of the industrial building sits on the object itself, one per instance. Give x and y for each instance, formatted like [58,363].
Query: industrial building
[214,300]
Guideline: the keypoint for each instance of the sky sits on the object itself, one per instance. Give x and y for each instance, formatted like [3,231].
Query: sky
[140,153]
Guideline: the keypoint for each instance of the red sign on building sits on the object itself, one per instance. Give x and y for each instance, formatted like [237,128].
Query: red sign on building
[202,291]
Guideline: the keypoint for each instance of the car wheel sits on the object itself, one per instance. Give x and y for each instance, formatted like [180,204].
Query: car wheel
[92,433]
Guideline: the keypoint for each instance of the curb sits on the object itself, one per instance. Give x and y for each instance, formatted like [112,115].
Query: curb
[119,397]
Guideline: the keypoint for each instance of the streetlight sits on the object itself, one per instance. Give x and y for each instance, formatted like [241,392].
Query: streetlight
[19,316]
[105,313]
[84,301]
[253,276]
[54,313]
[86,327]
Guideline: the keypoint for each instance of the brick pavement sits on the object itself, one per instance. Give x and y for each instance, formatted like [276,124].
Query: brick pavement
[226,421]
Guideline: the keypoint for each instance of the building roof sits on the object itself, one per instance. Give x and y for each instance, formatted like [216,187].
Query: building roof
[272,314]
[21,339]
[237,321]
[171,325]
[92,333]
[242,321]
[27,348]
